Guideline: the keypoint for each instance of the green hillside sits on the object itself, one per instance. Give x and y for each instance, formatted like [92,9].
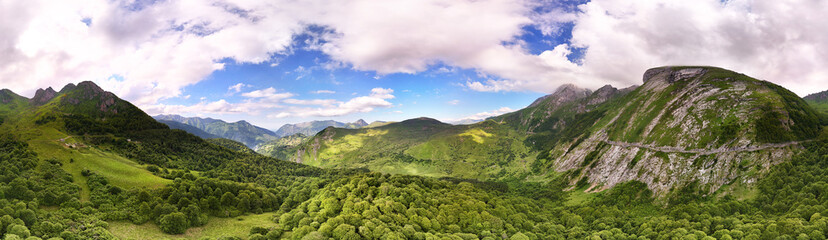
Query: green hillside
[424,147]
[686,125]
[667,133]
[230,144]
[283,147]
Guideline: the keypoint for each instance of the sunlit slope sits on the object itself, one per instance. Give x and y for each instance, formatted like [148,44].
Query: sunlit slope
[422,146]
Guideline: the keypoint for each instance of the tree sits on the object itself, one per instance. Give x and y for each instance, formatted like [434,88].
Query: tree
[228,199]
[519,236]
[19,230]
[174,223]
[243,202]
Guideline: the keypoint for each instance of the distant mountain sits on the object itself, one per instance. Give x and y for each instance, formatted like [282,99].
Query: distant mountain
[188,128]
[241,131]
[313,127]
[819,101]
[821,97]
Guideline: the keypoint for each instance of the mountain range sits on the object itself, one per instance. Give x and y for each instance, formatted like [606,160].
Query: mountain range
[313,127]
[685,125]
[241,131]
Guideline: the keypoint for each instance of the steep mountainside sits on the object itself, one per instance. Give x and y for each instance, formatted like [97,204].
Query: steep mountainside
[313,127]
[240,131]
[686,126]
[84,127]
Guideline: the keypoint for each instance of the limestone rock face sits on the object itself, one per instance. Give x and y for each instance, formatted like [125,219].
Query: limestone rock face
[683,125]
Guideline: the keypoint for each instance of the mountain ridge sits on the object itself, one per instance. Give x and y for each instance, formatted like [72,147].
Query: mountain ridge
[241,131]
[313,127]
[599,138]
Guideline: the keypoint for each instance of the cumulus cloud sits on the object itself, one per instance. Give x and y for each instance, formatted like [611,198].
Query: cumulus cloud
[778,41]
[157,49]
[323,92]
[236,88]
[282,104]
[376,99]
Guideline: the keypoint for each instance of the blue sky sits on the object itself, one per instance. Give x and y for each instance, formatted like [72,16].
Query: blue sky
[286,61]
[437,92]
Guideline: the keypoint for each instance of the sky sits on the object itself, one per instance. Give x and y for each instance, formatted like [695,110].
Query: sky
[273,62]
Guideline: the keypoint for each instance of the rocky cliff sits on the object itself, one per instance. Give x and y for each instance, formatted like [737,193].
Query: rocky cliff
[685,125]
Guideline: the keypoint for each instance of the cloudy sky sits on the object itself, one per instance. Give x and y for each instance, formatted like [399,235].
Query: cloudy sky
[283,61]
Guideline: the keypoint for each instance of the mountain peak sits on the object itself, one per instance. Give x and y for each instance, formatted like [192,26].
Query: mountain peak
[361,123]
[565,93]
[671,74]
[422,120]
[67,88]
[90,87]
[7,96]
[42,96]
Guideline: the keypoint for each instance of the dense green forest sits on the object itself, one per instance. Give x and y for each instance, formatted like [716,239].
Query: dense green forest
[40,201]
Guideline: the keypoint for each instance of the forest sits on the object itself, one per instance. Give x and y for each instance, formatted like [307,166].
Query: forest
[40,201]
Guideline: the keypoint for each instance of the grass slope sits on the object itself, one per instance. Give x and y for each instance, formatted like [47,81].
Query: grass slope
[214,229]
[423,146]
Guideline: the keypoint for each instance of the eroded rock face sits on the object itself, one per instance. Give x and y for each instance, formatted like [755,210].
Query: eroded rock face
[564,94]
[42,96]
[679,127]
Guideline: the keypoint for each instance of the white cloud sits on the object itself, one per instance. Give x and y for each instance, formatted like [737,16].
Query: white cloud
[481,116]
[236,88]
[280,105]
[268,94]
[323,92]
[779,41]
[453,102]
[329,108]
[167,45]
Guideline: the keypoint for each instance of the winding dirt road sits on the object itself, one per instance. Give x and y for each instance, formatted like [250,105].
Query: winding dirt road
[703,151]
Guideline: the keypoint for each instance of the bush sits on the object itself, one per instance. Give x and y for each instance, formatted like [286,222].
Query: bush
[174,223]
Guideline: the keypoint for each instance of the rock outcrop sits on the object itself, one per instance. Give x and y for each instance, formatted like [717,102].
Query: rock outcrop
[683,125]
